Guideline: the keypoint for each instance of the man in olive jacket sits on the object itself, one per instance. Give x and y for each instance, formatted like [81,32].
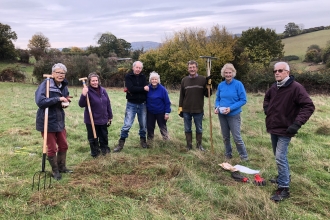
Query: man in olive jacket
[287,106]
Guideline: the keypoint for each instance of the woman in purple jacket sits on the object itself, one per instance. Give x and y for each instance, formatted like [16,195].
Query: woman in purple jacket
[102,114]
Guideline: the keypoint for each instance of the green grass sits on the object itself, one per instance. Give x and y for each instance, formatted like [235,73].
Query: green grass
[164,182]
[298,45]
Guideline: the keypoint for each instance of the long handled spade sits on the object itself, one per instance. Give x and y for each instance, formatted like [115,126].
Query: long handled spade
[43,174]
[95,142]
[208,63]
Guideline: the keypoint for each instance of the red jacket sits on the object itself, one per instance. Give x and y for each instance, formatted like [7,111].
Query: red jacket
[290,103]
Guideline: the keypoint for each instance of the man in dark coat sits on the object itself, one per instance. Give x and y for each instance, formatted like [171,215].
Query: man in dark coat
[136,95]
[287,106]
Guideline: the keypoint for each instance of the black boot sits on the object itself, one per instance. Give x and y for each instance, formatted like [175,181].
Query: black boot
[199,141]
[53,164]
[94,145]
[143,142]
[189,140]
[120,146]
[105,149]
[61,162]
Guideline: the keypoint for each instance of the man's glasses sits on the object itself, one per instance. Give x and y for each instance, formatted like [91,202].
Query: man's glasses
[279,70]
[60,73]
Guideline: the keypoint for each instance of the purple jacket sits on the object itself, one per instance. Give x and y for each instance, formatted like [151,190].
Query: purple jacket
[290,103]
[100,106]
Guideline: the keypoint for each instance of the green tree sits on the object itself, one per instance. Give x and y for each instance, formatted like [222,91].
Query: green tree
[291,29]
[261,45]
[7,48]
[66,50]
[38,45]
[109,43]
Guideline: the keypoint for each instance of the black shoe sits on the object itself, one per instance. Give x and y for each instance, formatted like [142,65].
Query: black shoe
[281,194]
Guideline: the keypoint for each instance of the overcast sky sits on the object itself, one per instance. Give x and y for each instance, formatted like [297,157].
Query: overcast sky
[70,23]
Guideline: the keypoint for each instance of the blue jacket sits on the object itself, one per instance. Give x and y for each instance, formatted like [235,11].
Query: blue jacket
[56,115]
[100,106]
[158,101]
[231,95]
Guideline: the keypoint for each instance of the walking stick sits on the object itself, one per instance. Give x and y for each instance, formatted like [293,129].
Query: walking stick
[43,174]
[90,113]
[208,71]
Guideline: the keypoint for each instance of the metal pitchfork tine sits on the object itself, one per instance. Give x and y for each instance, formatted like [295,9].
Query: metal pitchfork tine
[208,63]
[43,174]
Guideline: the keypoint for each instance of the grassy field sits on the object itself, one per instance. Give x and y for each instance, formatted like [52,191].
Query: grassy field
[164,182]
[298,45]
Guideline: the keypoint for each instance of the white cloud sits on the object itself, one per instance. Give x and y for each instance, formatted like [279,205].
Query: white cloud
[76,23]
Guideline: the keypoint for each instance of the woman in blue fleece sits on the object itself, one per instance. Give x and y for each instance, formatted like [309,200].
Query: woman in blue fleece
[158,107]
[230,98]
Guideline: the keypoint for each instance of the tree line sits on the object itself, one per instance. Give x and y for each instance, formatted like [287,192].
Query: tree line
[251,53]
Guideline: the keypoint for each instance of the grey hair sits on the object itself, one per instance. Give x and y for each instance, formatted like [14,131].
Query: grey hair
[228,66]
[136,62]
[59,66]
[192,62]
[93,74]
[287,67]
[154,74]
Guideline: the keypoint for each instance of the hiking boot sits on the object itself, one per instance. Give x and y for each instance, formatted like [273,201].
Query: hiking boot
[143,142]
[120,146]
[281,194]
[228,157]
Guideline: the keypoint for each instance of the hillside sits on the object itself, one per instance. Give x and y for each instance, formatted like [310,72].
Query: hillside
[146,45]
[298,45]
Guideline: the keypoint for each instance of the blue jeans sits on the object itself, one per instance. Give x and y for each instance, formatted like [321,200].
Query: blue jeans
[280,148]
[198,118]
[232,124]
[131,110]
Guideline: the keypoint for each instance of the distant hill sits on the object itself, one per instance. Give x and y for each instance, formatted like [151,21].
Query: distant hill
[298,45]
[146,45]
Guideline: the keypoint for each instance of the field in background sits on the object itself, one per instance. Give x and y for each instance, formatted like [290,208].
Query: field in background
[164,182]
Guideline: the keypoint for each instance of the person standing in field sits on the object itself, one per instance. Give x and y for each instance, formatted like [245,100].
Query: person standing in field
[230,98]
[136,95]
[57,144]
[191,103]
[158,107]
[287,107]
[102,114]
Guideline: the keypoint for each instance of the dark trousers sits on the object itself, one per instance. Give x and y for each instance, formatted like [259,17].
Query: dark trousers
[151,123]
[101,133]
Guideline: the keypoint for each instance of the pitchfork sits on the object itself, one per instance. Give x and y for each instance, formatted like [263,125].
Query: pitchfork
[43,174]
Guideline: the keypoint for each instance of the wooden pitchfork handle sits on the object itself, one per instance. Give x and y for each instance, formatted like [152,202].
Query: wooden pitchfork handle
[44,148]
[208,73]
[89,107]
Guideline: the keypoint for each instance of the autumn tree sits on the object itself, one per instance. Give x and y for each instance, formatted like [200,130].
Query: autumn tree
[76,50]
[7,48]
[38,45]
[261,45]
[171,58]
